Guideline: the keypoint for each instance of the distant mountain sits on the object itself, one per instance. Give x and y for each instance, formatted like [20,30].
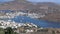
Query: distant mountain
[14,5]
[52,11]
[23,4]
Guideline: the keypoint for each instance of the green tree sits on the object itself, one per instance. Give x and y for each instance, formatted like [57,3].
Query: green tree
[2,31]
[9,30]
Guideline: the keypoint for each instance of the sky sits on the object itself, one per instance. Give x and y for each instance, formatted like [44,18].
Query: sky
[55,1]
[5,0]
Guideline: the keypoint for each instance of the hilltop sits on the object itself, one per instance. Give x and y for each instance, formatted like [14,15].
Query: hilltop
[14,5]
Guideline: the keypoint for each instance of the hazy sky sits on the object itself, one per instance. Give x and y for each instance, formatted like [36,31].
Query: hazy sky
[55,1]
[5,0]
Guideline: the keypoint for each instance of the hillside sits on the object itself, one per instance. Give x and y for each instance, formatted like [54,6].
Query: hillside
[14,5]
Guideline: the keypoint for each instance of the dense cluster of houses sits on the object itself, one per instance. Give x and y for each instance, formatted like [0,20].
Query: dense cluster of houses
[12,14]
[21,27]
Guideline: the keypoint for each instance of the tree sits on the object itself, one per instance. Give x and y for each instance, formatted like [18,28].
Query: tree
[9,30]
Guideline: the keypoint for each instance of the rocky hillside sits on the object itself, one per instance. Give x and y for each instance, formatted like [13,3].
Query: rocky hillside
[15,5]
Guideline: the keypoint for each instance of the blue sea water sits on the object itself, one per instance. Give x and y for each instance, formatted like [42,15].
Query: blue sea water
[40,23]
